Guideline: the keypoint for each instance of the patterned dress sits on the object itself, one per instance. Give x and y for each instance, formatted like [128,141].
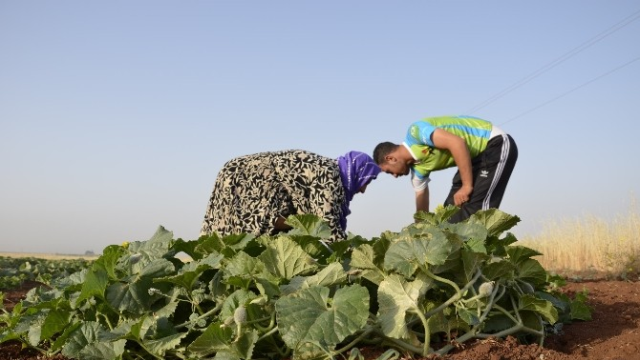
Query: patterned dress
[252,191]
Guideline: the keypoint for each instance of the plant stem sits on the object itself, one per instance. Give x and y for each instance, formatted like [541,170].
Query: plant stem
[210,312]
[454,298]
[399,343]
[504,311]
[269,333]
[360,337]
[427,332]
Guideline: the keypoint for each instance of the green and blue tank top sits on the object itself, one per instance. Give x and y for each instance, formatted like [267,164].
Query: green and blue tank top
[475,132]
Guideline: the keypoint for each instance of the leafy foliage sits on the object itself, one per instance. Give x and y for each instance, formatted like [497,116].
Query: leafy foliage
[15,271]
[244,297]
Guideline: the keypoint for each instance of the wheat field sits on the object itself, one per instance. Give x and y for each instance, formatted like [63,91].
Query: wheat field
[590,244]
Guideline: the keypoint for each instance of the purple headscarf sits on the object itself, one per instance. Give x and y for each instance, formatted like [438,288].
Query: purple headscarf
[356,170]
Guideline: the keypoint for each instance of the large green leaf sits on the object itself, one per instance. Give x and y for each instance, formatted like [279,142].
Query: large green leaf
[405,256]
[109,259]
[55,322]
[89,342]
[468,231]
[143,252]
[499,269]
[311,316]
[495,221]
[231,303]
[396,296]
[95,284]
[215,338]
[111,350]
[189,273]
[220,340]
[530,270]
[471,262]
[307,224]
[244,270]
[543,307]
[227,245]
[331,275]
[363,257]
[160,346]
[518,254]
[132,296]
[243,265]
[286,259]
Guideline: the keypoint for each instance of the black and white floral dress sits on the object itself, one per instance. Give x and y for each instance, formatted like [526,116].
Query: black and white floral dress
[252,191]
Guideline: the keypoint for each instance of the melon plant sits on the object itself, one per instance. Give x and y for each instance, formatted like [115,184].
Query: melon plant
[419,291]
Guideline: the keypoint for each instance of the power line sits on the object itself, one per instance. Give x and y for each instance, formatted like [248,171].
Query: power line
[572,90]
[622,23]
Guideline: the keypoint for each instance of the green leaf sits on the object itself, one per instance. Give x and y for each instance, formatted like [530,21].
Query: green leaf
[580,311]
[189,273]
[331,275]
[103,350]
[310,316]
[187,247]
[132,296]
[35,329]
[286,259]
[519,254]
[439,323]
[237,298]
[243,265]
[476,245]
[61,340]
[87,342]
[406,255]
[144,252]
[531,270]
[370,258]
[55,322]
[499,269]
[316,248]
[495,221]
[396,296]
[470,232]
[160,346]
[215,338]
[468,316]
[220,340]
[543,307]
[363,257]
[95,283]
[471,262]
[109,259]
[307,224]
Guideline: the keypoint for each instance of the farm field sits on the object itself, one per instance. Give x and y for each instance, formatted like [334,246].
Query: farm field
[610,281]
[612,334]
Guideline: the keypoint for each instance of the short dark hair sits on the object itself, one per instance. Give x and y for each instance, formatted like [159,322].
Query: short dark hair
[382,150]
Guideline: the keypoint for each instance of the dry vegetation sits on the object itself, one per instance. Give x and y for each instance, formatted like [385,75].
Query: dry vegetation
[48,256]
[590,246]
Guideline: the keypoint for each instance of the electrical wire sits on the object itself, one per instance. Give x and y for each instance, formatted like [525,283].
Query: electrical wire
[622,23]
[572,90]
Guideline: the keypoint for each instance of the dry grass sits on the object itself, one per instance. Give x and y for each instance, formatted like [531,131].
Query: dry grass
[47,256]
[590,245]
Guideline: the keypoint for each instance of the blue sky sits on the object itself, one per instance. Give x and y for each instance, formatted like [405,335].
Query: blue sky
[115,117]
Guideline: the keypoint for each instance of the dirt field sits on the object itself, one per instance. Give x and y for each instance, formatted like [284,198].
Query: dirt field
[613,334]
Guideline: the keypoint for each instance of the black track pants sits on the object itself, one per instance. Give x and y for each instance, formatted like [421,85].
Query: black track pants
[491,172]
